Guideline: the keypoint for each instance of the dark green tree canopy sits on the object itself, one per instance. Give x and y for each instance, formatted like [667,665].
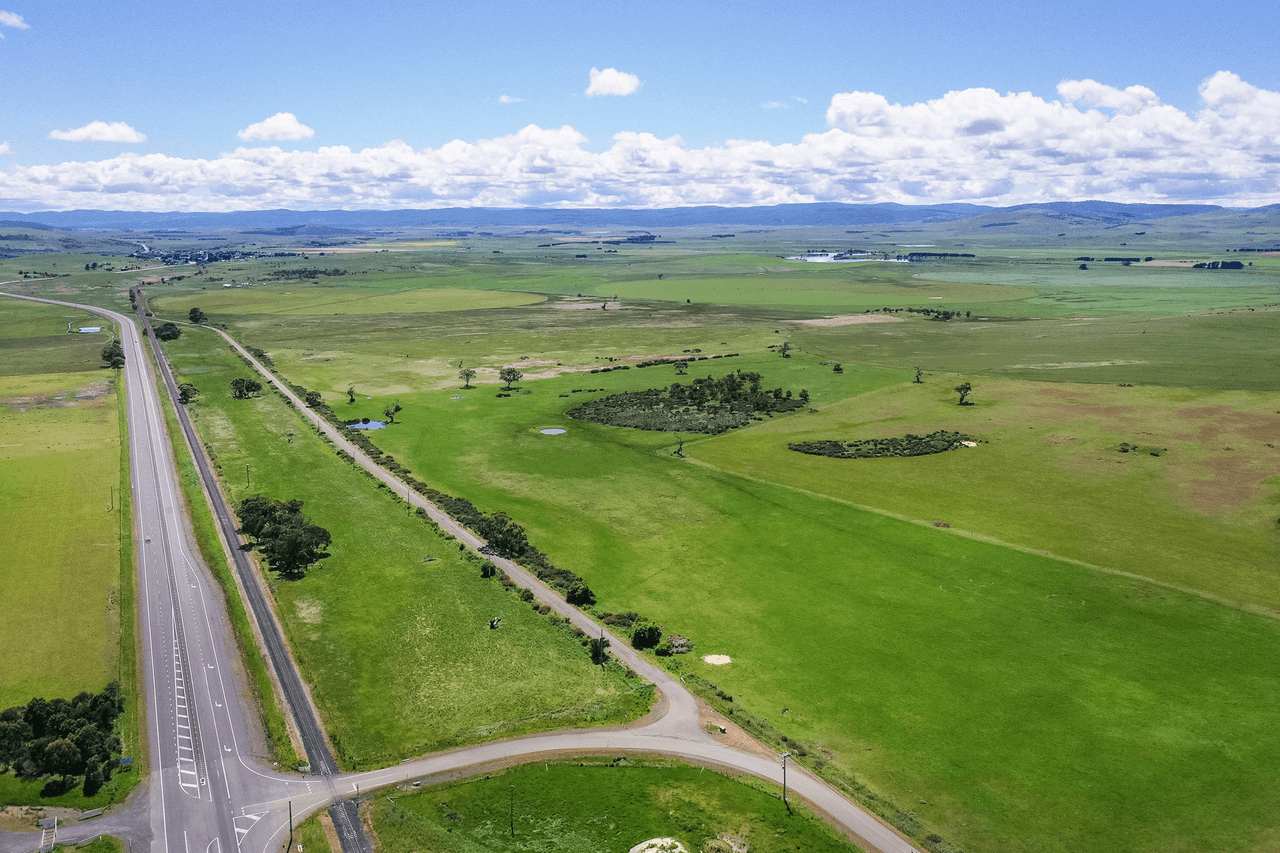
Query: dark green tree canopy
[290,543]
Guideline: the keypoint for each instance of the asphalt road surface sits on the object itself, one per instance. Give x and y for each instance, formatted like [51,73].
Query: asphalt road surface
[206,793]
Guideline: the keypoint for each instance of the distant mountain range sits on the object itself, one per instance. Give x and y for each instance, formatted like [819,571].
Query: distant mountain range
[298,222]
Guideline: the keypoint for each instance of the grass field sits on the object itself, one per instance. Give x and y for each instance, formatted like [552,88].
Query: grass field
[570,808]
[1049,475]
[66,567]
[849,619]
[397,649]
[60,555]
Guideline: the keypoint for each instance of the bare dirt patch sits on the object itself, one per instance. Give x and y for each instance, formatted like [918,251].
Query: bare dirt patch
[850,320]
[592,303]
[1218,421]
[717,660]
[1228,482]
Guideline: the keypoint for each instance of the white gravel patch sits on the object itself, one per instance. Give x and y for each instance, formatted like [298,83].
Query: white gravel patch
[659,845]
[717,660]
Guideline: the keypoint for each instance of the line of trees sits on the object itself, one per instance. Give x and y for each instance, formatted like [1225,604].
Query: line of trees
[63,740]
[288,540]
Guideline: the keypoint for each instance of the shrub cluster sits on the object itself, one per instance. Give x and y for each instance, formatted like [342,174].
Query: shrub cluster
[877,448]
[707,405]
[54,737]
[306,272]
[940,314]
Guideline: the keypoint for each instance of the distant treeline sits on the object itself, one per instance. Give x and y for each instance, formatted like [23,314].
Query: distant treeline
[1220,265]
[927,256]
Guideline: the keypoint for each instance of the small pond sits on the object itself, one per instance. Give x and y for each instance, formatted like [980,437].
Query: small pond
[552,431]
[367,425]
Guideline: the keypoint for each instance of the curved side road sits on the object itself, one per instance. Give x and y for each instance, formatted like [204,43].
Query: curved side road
[678,732]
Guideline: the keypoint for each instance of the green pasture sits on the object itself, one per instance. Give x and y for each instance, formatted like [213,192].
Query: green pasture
[60,555]
[1049,476]
[1228,350]
[1034,704]
[285,299]
[570,808]
[393,354]
[824,290]
[396,645]
[34,339]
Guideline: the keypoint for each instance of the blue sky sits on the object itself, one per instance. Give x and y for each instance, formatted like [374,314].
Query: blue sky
[144,105]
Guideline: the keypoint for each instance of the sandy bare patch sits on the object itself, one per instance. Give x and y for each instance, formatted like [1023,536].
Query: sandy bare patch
[1069,365]
[587,304]
[969,443]
[717,660]
[310,610]
[659,845]
[850,320]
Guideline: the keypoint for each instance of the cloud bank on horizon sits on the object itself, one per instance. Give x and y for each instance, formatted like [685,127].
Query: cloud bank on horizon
[977,145]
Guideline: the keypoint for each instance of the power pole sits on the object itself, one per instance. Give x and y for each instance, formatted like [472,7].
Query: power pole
[513,811]
[290,847]
[785,756]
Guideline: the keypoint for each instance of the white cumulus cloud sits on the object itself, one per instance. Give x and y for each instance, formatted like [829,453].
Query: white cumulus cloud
[507,99]
[5,149]
[975,145]
[100,131]
[280,127]
[12,19]
[611,81]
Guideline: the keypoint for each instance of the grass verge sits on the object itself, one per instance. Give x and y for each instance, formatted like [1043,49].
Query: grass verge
[599,804]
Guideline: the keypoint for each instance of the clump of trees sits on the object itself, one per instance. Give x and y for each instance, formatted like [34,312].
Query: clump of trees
[113,354]
[168,332]
[195,315]
[708,405]
[243,389]
[288,540]
[63,739]
[875,448]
